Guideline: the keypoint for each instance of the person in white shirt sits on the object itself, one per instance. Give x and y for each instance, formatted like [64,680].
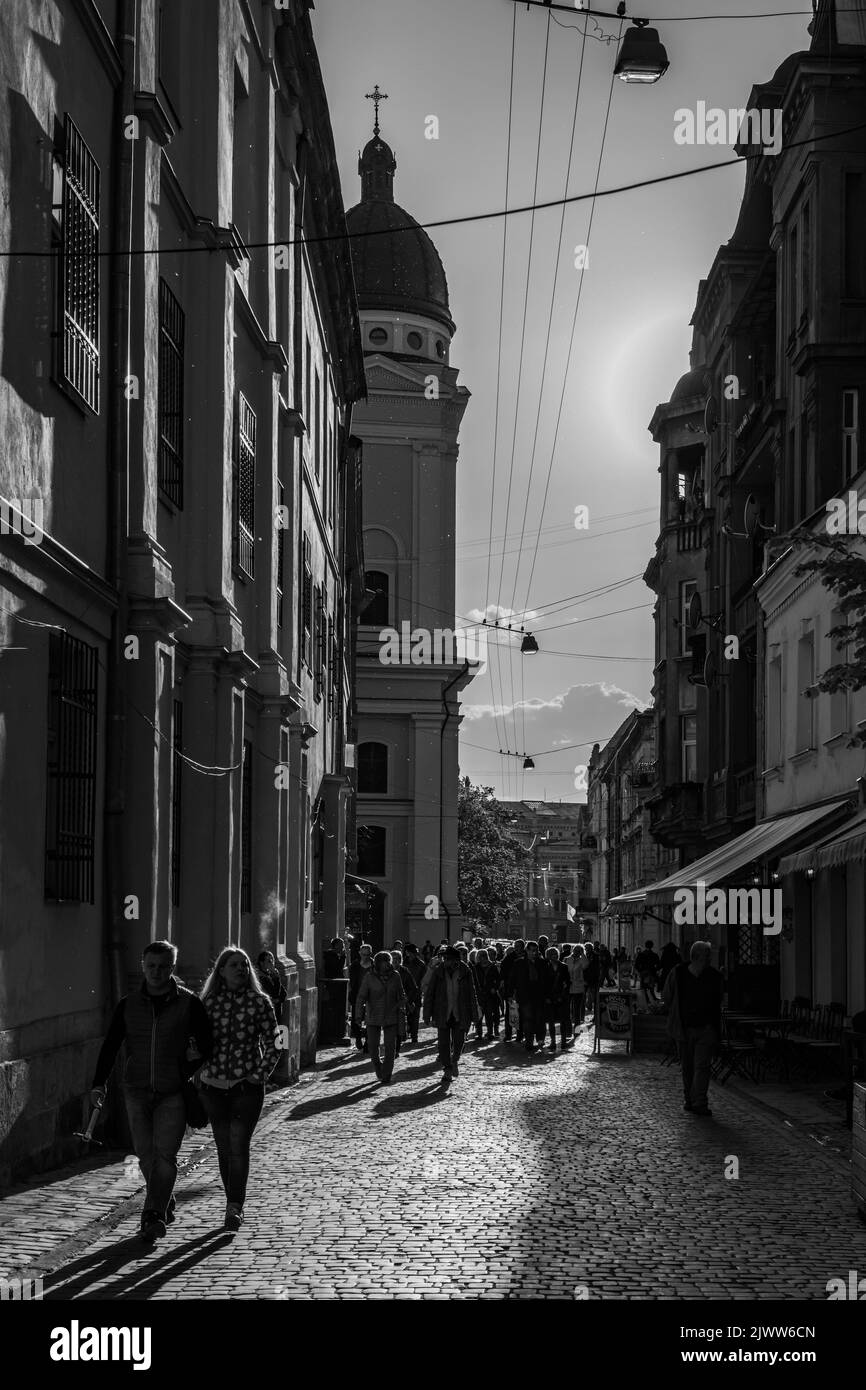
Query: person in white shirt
[576,964]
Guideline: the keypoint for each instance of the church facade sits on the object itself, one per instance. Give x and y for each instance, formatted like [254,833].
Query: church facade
[412,660]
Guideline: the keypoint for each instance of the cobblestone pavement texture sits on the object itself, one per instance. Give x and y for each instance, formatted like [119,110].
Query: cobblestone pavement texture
[550,1176]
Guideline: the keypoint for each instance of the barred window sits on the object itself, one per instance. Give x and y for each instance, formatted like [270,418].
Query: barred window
[77,243]
[244,487]
[331,671]
[70,823]
[281,554]
[306,623]
[171,344]
[176,799]
[319,644]
[247,828]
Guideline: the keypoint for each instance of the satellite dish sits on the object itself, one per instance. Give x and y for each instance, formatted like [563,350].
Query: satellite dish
[711,415]
[695,611]
[751,516]
[711,670]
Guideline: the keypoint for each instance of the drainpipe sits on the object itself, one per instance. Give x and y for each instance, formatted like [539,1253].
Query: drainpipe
[442,902]
[118,501]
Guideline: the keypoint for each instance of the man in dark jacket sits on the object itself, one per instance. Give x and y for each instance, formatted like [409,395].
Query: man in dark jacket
[509,962]
[417,969]
[167,1035]
[357,971]
[451,1003]
[529,982]
[694,993]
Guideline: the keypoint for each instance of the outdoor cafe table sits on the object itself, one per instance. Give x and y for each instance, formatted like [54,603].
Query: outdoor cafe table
[768,1025]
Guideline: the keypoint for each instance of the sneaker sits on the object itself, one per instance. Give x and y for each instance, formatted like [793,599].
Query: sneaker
[152,1226]
[169,1211]
[234,1216]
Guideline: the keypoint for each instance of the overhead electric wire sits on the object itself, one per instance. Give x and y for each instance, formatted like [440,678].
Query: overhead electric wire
[572,337]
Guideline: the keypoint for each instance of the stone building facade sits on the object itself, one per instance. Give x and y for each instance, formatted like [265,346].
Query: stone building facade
[175,679]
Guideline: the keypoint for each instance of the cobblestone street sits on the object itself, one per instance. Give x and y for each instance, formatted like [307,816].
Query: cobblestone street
[531,1177]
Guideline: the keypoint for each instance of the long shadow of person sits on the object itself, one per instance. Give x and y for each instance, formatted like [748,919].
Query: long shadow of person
[416,1100]
[76,1279]
[331,1102]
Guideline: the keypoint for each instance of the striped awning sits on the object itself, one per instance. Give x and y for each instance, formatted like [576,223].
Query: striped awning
[845,846]
[762,842]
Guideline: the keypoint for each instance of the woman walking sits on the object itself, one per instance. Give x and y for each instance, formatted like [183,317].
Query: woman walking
[576,965]
[382,997]
[233,1080]
[488,984]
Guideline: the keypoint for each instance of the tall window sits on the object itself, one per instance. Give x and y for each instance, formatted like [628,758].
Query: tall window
[247,828]
[76,240]
[854,286]
[176,798]
[317,430]
[689,747]
[688,588]
[70,822]
[793,274]
[805,703]
[373,769]
[774,734]
[837,653]
[850,434]
[319,643]
[806,258]
[377,612]
[308,367]
[244,489]
[371,851]
[331,670]
[306,623]
[170,408]
[805,475]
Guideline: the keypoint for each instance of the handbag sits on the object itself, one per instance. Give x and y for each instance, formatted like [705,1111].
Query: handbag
[196,1114]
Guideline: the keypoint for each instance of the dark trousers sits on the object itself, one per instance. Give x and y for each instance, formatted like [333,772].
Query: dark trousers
[378,1033]
[559,1014]
[696,1052]
[234,1115]
[413,1019]
[533,1023]
[491,1016]
[509,1031]
[157,1123]
[578,1008]
[451,1040]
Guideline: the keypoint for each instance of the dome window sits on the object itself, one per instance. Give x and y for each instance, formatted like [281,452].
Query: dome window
[415,340]
[440,348]
[378,335]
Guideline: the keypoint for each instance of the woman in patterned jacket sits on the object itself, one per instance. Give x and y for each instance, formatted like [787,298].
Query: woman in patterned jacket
[233,1081]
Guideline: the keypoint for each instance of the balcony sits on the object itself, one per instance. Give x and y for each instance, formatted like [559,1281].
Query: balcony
[688,537]
[644,773]
[675,814]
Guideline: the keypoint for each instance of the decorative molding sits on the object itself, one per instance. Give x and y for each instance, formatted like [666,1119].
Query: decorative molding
[203,229]
[271,350]
[153,115]
[94,26]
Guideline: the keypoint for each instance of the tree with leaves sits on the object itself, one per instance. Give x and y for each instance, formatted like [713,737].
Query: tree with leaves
[491,860]
[840,565]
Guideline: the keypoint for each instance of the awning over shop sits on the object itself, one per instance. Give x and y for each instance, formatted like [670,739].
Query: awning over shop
[845,846]
[761,842]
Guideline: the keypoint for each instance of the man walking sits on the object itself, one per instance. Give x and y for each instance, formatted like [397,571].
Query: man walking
[417,969]
[451,1003]
[167,1036]
[512,956]
[694,993]
[529,982]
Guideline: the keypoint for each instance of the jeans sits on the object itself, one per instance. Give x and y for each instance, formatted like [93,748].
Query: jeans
[451,1040]
[578,1009]
[533,1023]
[234,1115]
[157,1123]
[559,1014]
[696,1051]
[375,1032]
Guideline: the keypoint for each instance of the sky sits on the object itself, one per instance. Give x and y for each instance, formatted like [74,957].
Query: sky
[565,366]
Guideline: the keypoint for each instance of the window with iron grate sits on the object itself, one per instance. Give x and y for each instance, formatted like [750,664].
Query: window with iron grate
[76,242]
[176,798]
[244,487]
[281,555]
[306,623]
[172,328]
[70,821]
[247,828]
[331,672]
[319,644]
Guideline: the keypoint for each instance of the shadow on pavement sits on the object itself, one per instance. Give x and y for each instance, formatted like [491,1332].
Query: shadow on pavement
[331,1102]
[164,1262]
[415,1100]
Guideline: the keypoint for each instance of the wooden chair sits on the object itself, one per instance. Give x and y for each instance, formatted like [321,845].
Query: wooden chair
[826,1044]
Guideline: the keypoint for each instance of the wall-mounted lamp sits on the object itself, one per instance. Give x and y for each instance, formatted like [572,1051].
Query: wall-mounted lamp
[810,873]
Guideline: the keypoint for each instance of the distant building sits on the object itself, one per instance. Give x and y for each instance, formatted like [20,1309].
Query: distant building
[406,773]
[557,897]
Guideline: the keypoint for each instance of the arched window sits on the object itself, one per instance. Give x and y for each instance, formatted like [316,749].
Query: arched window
[373,768]
[371,851]
[378,610]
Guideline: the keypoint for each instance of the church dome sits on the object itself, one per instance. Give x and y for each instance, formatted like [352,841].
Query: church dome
[397,267]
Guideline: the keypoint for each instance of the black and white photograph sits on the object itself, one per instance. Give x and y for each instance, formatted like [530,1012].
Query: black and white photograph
[404,895]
